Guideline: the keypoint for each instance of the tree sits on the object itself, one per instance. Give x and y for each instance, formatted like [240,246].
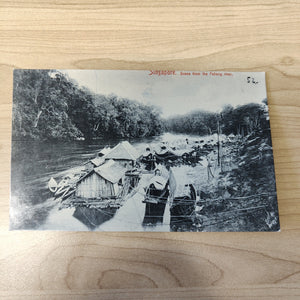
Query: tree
[40,106]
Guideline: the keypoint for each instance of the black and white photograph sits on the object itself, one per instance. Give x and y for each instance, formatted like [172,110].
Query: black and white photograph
[125,150]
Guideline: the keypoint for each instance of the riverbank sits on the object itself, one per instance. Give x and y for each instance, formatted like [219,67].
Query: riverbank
[216,167]
[34,163]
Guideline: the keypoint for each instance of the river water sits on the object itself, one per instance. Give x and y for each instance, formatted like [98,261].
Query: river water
[34,163]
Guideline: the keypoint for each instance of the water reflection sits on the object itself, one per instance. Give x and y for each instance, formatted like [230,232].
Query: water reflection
[92,217]
[32,165]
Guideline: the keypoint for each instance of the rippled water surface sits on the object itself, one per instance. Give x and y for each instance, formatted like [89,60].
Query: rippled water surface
[34,163]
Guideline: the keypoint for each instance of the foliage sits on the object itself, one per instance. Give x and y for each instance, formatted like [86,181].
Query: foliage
[40,108]
[254,178]
[125,118]
[48,105]
[199,122]
[242,120]
[255,166]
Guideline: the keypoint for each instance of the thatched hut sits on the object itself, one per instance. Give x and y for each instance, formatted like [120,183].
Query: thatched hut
[105,181]
[124,154]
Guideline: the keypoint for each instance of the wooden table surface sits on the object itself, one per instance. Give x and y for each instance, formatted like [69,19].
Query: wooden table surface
[181,35]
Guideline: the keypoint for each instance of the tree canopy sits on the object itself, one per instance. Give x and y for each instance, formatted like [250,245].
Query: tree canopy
[241,120]
[48,105]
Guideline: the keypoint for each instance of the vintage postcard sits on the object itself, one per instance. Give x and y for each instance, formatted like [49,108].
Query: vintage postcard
[109,150]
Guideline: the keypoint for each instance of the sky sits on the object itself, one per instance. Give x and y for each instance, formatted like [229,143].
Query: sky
[176,94]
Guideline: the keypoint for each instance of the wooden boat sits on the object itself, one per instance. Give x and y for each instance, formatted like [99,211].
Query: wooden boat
[66,187]
[156,198]
[149,160]
[165,155]
[67,193]
[52,185]
[183,198]
[62,190]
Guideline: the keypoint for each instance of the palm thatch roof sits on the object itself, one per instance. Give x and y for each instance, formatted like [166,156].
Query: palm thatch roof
[111,171]
[124,151]
[97,161]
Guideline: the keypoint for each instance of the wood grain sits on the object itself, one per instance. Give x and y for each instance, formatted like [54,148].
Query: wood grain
[181,35]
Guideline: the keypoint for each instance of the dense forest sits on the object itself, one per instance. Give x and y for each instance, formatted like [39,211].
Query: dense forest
[242,120]
[48,105]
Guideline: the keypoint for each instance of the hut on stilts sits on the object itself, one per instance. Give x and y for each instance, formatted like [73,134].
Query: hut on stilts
[103,182]
[108,183]
[124,154]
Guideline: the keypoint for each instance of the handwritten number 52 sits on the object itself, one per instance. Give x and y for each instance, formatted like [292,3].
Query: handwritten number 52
[251,80]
